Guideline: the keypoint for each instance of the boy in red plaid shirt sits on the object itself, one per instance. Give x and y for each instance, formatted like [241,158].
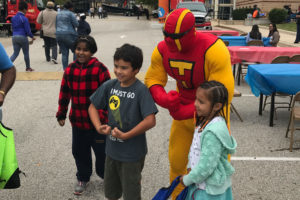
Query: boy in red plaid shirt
[81,78]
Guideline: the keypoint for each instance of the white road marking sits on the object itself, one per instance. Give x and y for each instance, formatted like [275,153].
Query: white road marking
[248,95]
[265,158]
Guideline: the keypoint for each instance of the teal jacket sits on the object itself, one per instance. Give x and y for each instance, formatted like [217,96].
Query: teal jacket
[213,167]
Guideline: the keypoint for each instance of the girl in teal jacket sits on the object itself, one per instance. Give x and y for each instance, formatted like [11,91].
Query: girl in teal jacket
[209,171]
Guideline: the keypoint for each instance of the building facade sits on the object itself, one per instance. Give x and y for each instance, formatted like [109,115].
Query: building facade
[267,5]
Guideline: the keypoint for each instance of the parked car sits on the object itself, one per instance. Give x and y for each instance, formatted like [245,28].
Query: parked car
[154,13]
[202,20]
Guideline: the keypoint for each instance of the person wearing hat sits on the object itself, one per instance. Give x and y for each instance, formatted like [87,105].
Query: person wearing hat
[191,58]
[84,27]
[48,20]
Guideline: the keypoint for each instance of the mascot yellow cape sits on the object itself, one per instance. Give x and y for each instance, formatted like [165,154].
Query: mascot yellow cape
[191,58]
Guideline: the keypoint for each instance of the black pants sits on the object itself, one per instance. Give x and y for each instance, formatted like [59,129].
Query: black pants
[50,43]
[82,142]
[298,33]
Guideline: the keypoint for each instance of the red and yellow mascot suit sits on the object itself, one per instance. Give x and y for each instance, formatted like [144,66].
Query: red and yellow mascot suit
[191,58]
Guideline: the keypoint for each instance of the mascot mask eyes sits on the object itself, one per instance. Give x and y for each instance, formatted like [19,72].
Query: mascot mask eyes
[179,30]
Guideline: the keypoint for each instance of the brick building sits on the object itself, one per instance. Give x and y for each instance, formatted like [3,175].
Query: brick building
[267,5]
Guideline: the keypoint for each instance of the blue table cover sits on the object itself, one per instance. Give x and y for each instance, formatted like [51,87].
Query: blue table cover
[269,78]
[241,40]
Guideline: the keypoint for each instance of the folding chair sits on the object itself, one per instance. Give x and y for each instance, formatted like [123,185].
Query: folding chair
[295,59]
[226,34]
[226,43]
[243,67]
[255,43]
[295,115]
[232,108]
[280,59]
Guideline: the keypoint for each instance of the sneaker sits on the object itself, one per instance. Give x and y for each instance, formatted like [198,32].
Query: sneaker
[80,187]
[54,61]
[296,42]
[29,69]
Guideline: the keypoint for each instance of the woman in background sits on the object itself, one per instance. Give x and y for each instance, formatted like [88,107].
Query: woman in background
[21,30]
[254,34]
[273,35]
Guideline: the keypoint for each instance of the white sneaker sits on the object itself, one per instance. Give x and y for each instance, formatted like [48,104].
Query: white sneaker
[80,187]
[54,61]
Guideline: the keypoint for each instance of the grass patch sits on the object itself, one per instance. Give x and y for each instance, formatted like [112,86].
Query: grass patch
[292,26]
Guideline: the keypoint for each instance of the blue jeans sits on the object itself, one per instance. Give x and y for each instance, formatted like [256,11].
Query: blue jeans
[66,43]
[21,42]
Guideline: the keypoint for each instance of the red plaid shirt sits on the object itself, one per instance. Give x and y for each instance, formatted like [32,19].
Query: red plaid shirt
[79,82]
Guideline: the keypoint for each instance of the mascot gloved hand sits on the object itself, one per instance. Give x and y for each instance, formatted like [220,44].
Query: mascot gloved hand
[183,111]
[171,101]
[168,100]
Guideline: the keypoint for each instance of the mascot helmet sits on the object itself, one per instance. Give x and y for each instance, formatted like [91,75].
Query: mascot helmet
[179,30]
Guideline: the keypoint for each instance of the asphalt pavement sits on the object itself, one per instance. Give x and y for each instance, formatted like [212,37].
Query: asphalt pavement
[265,169]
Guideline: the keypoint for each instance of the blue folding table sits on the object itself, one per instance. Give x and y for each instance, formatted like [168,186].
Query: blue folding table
[267,79]
[241,40]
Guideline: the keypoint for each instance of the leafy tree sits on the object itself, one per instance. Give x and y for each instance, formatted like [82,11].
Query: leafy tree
[277,15]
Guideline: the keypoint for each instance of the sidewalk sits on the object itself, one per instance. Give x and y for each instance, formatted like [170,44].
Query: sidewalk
[287,38]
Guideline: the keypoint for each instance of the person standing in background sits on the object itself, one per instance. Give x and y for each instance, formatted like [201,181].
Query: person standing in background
[298,26]
[84,27]
[100,12]
[21,29]
[48,20]
[92,11]
[66,35]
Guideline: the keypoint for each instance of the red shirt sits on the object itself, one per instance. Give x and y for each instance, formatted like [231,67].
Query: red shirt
[78,84]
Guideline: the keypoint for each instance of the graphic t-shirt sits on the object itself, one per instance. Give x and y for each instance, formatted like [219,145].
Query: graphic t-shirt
[127,107]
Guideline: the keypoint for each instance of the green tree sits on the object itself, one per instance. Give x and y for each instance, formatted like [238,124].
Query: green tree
[277,15]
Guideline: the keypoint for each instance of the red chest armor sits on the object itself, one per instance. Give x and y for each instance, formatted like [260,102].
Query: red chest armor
[187,68]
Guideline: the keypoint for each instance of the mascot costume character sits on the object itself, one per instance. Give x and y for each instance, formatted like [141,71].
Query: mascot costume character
[191,58]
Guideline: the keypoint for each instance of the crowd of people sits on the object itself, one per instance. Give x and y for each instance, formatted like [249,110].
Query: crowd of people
[111,116]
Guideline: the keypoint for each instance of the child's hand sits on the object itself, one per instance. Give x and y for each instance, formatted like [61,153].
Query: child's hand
[104,129]
[61,122]
[181,181]
[118,134]
[188,170]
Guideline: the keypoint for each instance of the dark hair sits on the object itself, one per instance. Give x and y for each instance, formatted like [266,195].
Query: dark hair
[89,41]
[255,34]
[272,31]
[68,5]
[23,5]
[83,17]
[217,93]
[130,53]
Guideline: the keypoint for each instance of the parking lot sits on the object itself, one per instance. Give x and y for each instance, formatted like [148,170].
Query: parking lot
[265,169]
